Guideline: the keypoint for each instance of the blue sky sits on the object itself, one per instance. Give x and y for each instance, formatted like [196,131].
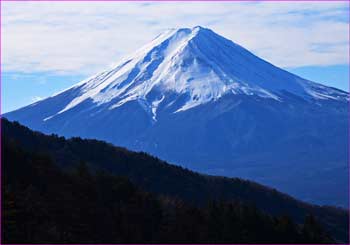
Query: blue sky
[47,47]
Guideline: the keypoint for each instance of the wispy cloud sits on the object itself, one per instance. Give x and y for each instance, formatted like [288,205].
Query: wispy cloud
[36,98]
[84,37]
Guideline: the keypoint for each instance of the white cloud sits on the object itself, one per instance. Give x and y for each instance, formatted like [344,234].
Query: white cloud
[36,98]
[84,37]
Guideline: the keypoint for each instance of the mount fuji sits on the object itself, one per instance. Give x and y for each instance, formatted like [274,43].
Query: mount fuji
[199,100]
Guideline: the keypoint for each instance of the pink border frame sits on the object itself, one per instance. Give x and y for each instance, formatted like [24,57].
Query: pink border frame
[174,0]
[163,1]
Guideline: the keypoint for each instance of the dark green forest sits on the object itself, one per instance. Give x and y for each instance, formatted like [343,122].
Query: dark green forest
[86,191]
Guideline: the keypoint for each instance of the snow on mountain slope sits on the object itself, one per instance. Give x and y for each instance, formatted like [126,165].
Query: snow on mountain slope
[196,99]
[198,63]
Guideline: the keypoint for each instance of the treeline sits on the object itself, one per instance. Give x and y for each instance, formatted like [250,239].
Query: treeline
[41,203]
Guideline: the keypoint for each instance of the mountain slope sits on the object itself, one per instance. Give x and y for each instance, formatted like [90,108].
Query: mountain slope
[85,207]
[201,101]
[156,176]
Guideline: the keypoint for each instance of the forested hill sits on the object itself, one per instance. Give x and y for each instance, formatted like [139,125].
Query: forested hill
[155,176]
[44,204]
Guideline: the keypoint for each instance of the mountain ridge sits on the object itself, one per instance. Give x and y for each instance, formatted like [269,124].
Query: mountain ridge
[201,101]
[132,78]
[156,176]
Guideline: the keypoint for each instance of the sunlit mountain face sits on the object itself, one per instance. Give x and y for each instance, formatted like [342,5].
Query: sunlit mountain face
[199,100]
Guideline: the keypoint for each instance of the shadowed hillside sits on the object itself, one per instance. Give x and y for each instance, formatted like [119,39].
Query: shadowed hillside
[25,148]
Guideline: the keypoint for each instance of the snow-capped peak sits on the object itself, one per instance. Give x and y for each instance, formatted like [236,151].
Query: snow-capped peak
[197,64]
